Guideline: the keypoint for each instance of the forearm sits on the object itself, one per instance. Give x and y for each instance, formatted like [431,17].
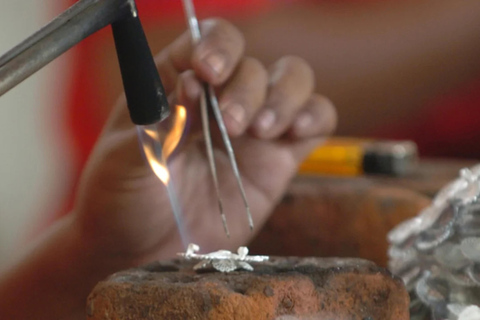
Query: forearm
[54,278]
[383,60]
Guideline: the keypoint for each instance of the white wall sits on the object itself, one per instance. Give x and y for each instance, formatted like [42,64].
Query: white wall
[33,155]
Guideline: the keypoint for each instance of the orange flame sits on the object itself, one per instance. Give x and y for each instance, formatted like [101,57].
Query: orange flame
[175,134]
[153,134]
[158,165]
[171,139]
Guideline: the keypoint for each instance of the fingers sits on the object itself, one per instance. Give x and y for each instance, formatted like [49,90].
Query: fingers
[288,106]
[244,100]
[317,118]
[269,103]
[188,88]
[243,95]
[240,98]
[291,85]
[214,58]
[167,71]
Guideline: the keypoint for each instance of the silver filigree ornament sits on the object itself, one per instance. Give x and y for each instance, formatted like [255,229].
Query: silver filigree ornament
[437,253]
[222,260]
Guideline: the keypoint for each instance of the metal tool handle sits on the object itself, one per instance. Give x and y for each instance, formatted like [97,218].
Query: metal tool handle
[146,97]
[77,23]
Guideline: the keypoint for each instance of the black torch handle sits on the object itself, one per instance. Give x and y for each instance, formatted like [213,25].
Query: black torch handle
[146,97]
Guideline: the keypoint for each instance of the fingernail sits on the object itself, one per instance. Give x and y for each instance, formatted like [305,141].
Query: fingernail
[216,62]
[303,122]
[265,120]
[236,111]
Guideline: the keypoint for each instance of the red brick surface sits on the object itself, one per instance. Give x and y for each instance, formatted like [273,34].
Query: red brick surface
[283,288]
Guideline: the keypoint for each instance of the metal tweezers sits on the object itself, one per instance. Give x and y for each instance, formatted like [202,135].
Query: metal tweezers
[209,99]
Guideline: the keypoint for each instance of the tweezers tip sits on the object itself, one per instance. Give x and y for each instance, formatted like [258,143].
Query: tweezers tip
[250,219]
[225,225]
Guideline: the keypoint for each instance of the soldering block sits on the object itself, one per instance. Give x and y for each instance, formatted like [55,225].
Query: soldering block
[282,288]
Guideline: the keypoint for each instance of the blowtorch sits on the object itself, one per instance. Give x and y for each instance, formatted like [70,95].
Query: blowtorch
[145,94]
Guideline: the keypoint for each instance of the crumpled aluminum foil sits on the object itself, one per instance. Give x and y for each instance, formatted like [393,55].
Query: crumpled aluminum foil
[437,253]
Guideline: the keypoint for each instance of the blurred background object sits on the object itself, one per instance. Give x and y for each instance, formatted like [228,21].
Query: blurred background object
[351,157]
[35,159]
[394,69]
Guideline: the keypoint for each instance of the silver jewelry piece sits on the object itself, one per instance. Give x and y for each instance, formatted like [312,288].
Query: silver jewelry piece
[222,260]
[437,253]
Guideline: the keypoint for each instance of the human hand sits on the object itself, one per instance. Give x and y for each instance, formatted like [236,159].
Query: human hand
[272,116]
